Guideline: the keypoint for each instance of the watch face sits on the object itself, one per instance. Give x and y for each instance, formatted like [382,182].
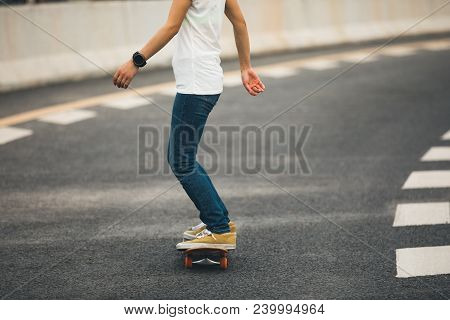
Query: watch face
[139,60]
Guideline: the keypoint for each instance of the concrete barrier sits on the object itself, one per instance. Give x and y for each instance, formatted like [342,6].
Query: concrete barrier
[61,41]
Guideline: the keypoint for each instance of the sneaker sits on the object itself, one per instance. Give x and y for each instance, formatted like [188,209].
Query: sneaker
[191,233]
[207,239]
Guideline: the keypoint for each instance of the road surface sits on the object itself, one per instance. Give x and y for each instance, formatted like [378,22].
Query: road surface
[370,222]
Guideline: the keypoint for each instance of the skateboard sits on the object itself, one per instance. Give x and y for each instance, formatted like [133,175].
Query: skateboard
[210,256]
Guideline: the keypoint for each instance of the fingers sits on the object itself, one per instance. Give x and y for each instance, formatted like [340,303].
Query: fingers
[250,90]
[126,84]
[115,78]
[121,81]
[261,84]
[257,87]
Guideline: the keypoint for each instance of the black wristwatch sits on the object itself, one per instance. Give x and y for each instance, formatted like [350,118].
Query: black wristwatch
[139,60]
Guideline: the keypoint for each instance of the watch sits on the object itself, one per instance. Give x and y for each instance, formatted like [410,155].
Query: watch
[139,60]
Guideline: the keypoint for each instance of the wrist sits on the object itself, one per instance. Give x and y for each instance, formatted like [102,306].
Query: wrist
[131,63]
[245,68]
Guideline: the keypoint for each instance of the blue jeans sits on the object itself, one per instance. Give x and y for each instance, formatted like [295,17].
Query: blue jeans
[189,116]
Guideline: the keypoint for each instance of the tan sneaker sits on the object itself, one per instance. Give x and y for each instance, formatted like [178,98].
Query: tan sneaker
[191,233]
[207,239]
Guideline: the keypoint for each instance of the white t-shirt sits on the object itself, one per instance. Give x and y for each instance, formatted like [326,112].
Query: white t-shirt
[196,62]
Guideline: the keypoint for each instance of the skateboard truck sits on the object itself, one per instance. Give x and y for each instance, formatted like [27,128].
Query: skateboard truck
[206,256]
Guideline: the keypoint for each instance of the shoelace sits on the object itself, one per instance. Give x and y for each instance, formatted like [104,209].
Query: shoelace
[198,226]
[205,233]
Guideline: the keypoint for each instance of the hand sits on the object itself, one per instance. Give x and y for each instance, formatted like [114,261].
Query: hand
[252,82]
[125,74]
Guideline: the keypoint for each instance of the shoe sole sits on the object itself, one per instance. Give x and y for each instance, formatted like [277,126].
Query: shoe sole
[206,246]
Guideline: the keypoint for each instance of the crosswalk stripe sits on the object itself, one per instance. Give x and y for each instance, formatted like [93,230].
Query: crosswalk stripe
[171,92]
[425,261]
[127,103]
[417,214]
[398,51]
[232,81]
[437,154]
[358,57]
[428,179]
[8,134]
[437,46]
[155,88]
[446,136]
[68,117]
[279,72]
[320,64]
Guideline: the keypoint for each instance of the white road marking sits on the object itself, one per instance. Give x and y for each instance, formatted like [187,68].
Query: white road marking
[437,154]
[437,46]
[358,57]
[68,117]
[232,81]
[320,64]
[171,92]
[428,179]
[398,51]
[426,261]
[446,136]
[127,103]
[418,214]
[155,88]
[8,134]
[279,72]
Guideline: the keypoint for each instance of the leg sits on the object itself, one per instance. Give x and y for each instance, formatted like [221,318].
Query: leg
[189,116]
[215,194]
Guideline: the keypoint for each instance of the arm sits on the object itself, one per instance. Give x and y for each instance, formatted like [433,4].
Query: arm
[125,74]
[250,79]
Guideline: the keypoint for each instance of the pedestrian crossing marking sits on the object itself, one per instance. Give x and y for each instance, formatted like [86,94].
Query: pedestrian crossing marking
[232,81]
[446,136]
[320,64]
[428,179]
[417,214]
[398,51]
[127,103]
[437,154]
[425,261]
[8,134]
[437,46]
[278,72]
[171,92]
[68,117]
[359,57]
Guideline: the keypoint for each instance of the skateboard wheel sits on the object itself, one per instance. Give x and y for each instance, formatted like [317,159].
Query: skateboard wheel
[187,261]
[223,263]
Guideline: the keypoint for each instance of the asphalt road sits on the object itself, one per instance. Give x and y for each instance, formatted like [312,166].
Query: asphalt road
[79,222]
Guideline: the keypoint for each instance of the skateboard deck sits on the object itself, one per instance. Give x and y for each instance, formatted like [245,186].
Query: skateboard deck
[209,256]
